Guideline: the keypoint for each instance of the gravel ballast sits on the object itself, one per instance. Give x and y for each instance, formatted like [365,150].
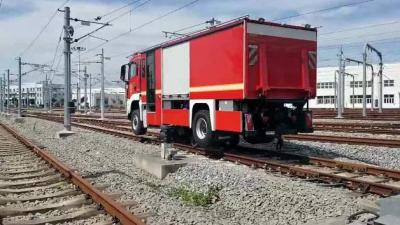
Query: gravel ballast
[245,195]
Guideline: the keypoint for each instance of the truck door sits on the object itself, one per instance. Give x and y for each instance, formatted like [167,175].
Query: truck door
[150,82]
[142,76]
[133,86]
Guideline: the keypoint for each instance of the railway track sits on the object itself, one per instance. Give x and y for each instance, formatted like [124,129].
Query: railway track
[386,115]
[36,188]
[361,177]
[380,128]
[391,143]
[125,126]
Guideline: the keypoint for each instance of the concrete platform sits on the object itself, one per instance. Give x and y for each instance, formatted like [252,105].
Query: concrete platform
[64,134]
[158,167]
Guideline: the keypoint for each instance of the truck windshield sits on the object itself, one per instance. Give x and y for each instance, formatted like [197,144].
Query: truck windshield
[132,70]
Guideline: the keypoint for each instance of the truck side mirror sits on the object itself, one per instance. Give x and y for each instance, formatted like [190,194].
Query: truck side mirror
[123,73]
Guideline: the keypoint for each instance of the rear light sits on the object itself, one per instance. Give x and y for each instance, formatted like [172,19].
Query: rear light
[248,125]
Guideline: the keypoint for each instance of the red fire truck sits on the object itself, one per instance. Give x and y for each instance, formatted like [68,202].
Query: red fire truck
[244,77]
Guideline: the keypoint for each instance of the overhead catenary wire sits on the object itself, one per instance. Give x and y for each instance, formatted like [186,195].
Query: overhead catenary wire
[43,29]
[357,43]
[145,24]
[117,9]
[129,11]
[322,10]
[58,45]
[358,28]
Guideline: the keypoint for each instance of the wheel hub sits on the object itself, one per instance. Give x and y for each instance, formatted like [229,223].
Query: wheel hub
[201,128]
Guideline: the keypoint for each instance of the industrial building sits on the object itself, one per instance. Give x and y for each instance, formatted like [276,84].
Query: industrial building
[36,94]
[353,88]
[113,97]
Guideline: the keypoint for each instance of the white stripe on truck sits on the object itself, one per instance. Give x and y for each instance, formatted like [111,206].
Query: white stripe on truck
[284,32]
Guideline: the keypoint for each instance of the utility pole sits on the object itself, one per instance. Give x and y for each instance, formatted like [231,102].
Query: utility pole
[51,97]
[339,104]
[372,77]
[27,98]
[90,93]
[85,78]
[380,73]
[19,87]
[8,91]
[78,89]
[67,68]
[45,93]
[364,110]
[335,90]
[1,95]
[102,85]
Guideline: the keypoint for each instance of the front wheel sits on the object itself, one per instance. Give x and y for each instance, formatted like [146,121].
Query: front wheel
[137,124]
[201,127]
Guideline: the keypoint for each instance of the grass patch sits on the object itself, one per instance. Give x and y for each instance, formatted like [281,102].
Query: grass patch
[197,198]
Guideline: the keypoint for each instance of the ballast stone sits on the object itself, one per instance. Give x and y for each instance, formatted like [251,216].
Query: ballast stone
[160,168]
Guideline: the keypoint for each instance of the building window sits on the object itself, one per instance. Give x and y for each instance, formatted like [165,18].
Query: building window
[388,83]
[325,99]
[388,99]
[358,99]
[325,85]
[358,84]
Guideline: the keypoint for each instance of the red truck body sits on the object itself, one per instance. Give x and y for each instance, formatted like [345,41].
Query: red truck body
[238,76]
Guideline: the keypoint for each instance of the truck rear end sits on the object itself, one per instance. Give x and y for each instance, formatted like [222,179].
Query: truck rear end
[280,78]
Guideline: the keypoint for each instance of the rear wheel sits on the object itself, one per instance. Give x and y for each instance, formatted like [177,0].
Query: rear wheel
[201,127]
[137,124]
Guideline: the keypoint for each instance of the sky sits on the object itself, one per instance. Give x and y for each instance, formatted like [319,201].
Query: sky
[21,22]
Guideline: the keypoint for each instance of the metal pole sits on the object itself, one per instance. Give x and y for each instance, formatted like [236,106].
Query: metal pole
[364,110]
[353,91]
[85,93]
[67,70]
[8,91]
[1,95]
[335,89]
[4,93]
[343,86]
[51,97]
[45,93]
[339,111]
[102,85]
[372,92]
[380,86]
[19,87]
[27,98]
[90,92]
[78,91]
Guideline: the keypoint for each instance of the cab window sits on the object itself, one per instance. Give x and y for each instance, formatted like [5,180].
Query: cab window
[132,70]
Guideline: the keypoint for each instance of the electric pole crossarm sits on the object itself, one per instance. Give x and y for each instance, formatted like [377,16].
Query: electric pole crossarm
[365,55]
[90,33]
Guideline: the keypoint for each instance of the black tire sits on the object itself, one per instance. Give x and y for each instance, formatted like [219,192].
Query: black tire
[201,129]
[137,125]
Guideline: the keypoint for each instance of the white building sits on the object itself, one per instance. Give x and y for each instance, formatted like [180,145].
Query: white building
[37,94]
[113,97]
[326,87]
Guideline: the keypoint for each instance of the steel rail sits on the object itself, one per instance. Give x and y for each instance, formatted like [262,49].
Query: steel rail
[112,207]
[345,140]
[287,168]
